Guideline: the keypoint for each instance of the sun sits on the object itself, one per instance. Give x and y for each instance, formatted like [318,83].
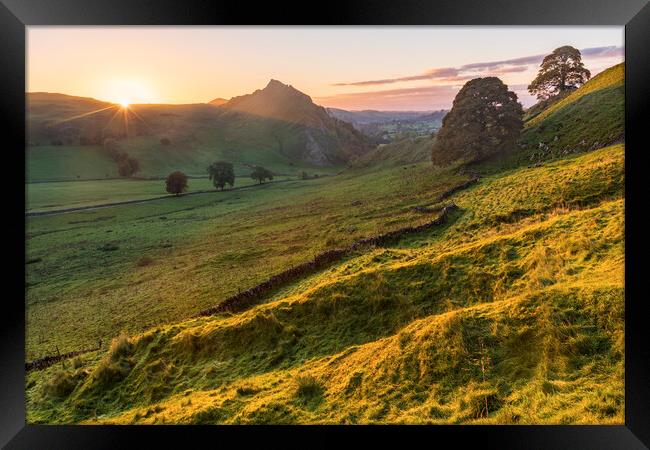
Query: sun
[124,104]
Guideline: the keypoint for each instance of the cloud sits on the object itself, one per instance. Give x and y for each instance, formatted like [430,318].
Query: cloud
[428,97]
[446,74]
[603,52]
[492,65]
[443,72]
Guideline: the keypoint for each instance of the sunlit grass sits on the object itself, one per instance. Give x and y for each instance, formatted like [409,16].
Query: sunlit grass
[512,313]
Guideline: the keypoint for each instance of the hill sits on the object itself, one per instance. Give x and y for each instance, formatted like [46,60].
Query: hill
[218,101]
[385,126]
[368,116]
[317,138]
[590,117]
[512,313]
[400,152]
[65,136]
[506,308]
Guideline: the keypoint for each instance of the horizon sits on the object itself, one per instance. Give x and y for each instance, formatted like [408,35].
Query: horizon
[338,67]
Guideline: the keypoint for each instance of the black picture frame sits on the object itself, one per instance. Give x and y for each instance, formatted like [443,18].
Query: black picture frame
[15,15]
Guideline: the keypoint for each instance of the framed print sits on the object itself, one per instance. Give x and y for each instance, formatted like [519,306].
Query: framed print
[384,220]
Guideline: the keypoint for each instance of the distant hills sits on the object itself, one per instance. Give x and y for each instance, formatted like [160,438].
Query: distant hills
[385,126]
[277,127]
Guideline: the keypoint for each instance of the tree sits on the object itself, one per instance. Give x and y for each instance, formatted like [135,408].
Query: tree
[260,174]
[485,119]
[176,182]
[221,173]
[127,166]
[561,71]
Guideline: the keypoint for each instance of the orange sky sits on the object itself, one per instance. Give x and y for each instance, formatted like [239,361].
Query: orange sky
[390,68]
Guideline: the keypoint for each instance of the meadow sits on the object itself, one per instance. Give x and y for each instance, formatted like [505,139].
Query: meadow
[92,274]
[511,313]
[54,196]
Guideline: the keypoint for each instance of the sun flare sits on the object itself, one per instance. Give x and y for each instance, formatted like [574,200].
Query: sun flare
[124,104]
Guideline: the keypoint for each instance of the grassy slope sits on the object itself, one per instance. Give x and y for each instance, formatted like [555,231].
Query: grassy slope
[528,279]
[203,248]
[589,118]
[401,152]
[614,76]
[199,134]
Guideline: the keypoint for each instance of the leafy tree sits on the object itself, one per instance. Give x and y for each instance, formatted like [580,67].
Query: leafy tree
[560,71]
[485,119]
[127,166]
[260,174]
[176,182]
[221,173]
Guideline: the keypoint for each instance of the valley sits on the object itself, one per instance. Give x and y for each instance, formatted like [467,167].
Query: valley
[509,312]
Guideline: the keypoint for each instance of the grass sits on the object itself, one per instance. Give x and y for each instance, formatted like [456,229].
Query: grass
[410,150]
[512,313]
[612,77]
[46,196]
[90,283]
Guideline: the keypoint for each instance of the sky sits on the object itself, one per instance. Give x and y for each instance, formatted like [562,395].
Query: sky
[355,68]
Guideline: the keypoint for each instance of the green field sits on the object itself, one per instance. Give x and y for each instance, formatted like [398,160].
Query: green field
[52,196]
[528,277]
[203,248]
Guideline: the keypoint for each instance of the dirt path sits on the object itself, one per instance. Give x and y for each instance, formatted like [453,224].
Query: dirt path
[133,202]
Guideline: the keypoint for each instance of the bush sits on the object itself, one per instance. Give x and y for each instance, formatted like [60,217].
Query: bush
[165,141]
